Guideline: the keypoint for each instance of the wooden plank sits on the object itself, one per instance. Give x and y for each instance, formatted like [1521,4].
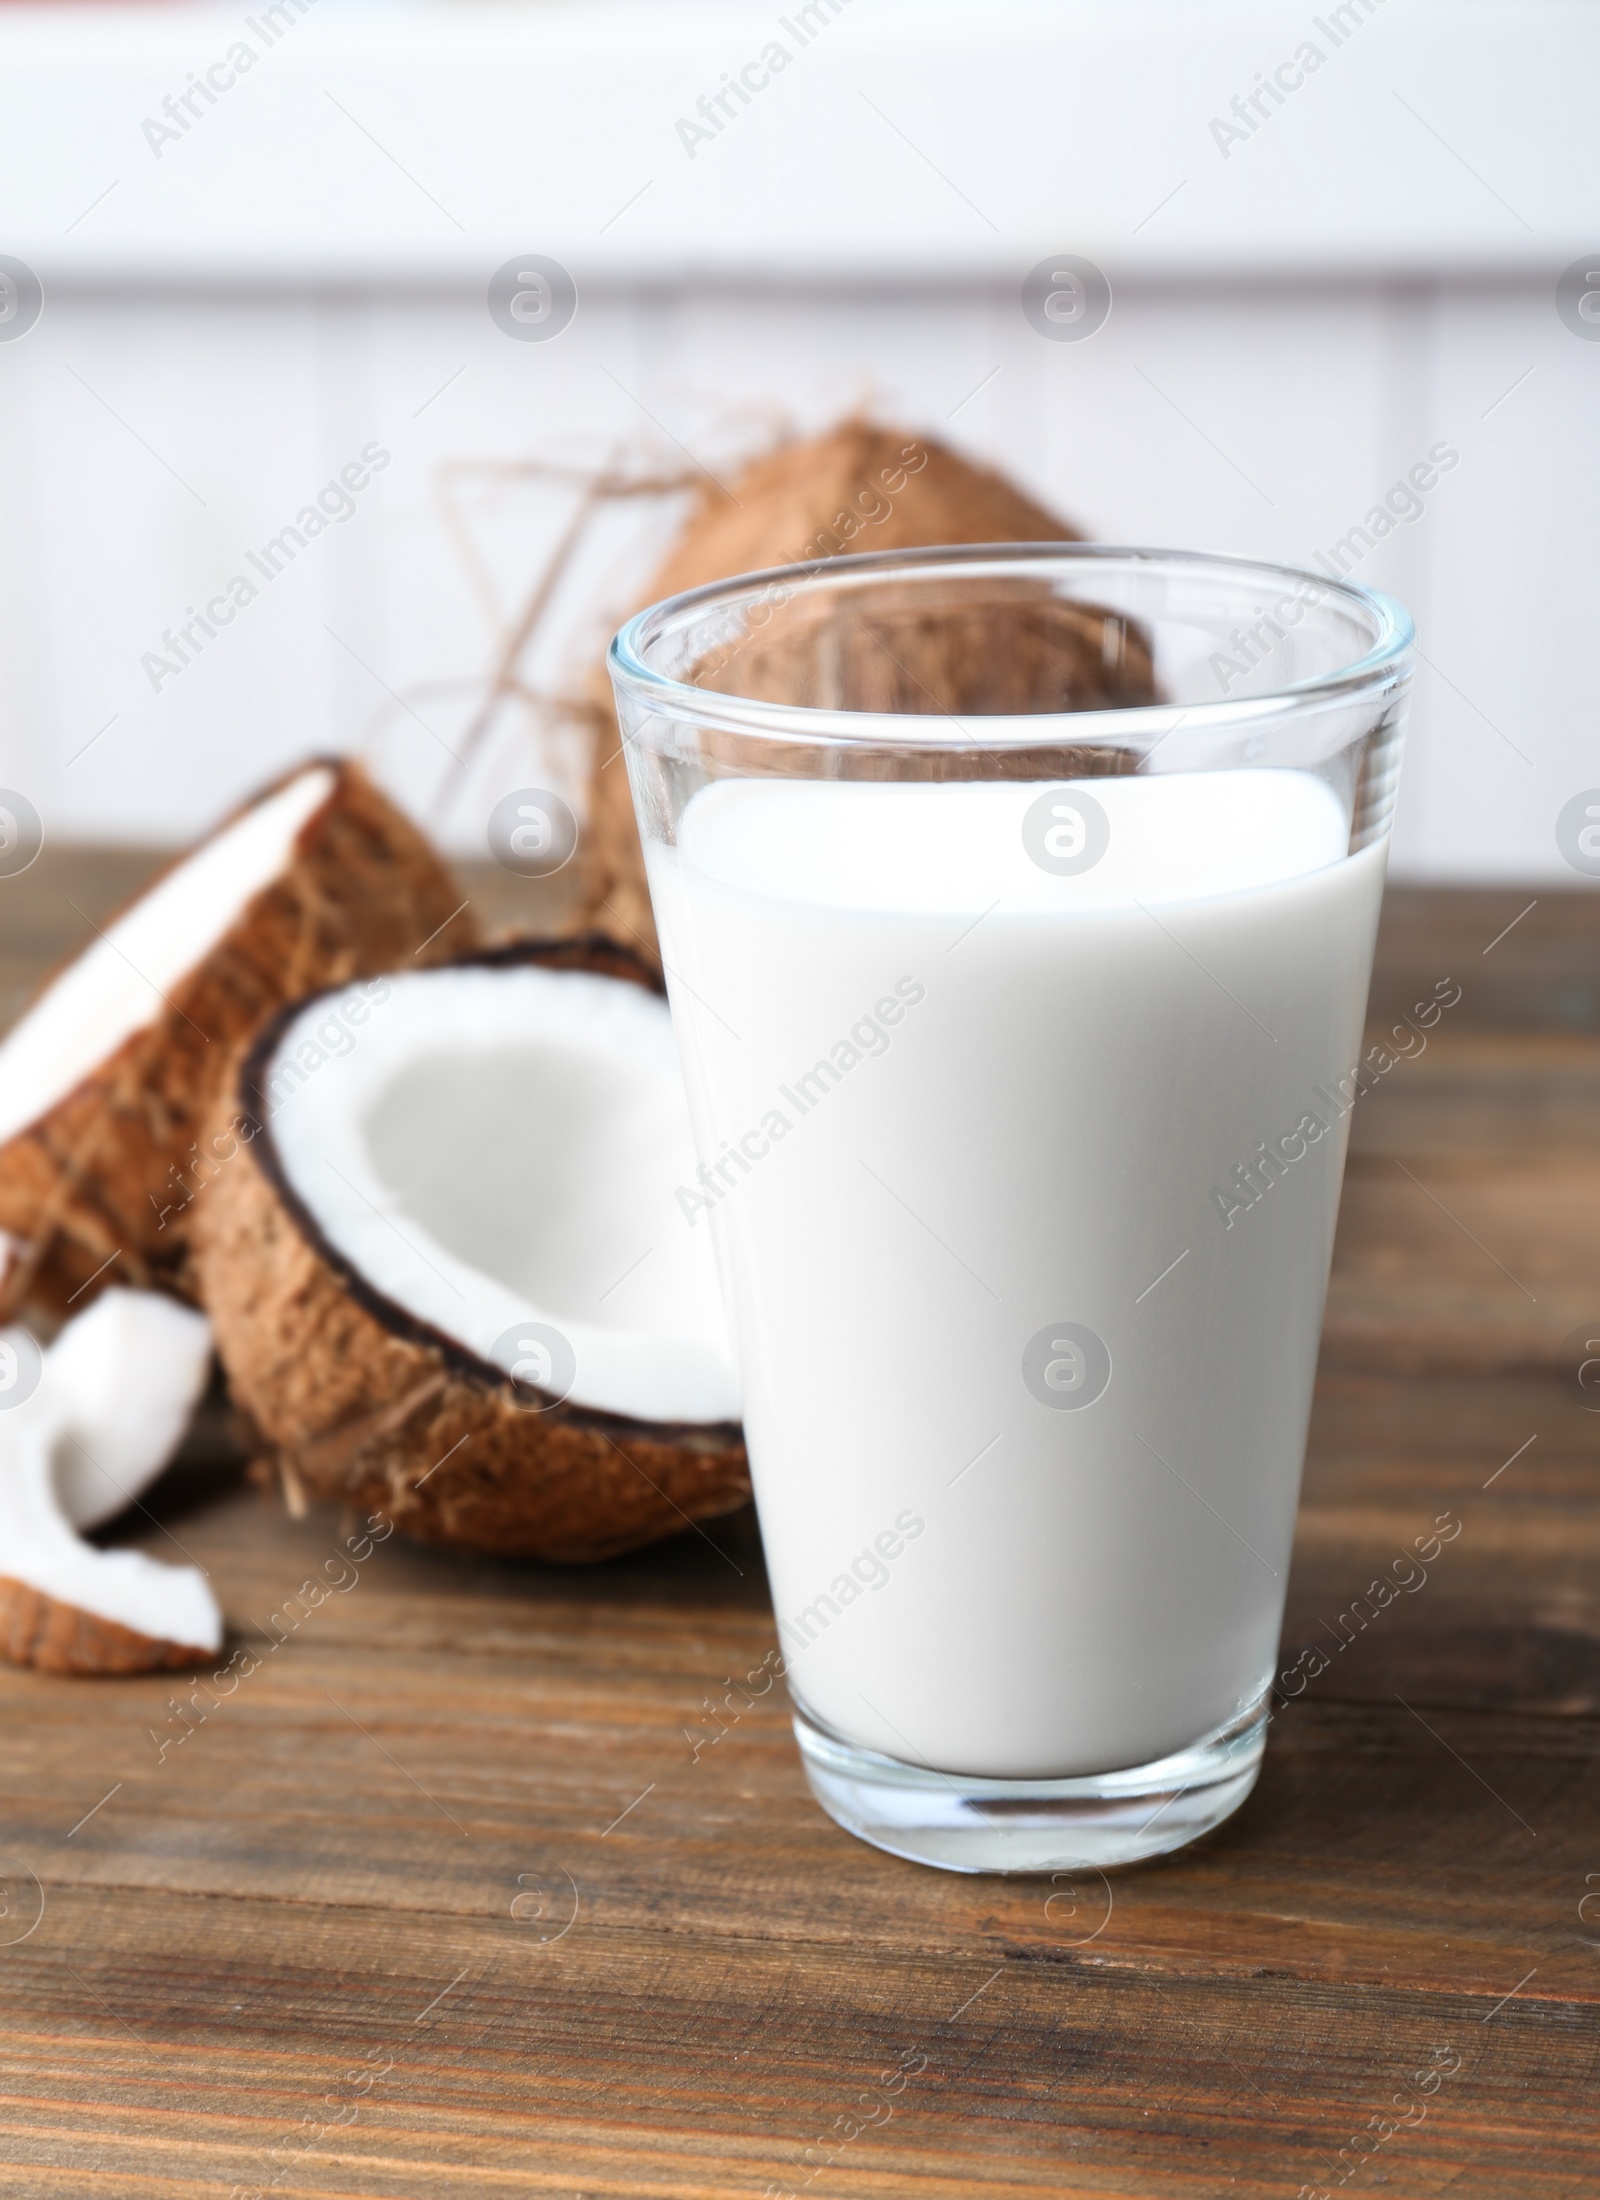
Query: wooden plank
[1439,1268]
[654,2063]
[530,1741]
[1526,959]
[570,1695]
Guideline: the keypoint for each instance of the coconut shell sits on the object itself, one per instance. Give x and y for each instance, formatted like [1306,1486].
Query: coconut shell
[53,1637]
[103,1186]
[815,499]
[1025,650]
[848,491]
[371,1407]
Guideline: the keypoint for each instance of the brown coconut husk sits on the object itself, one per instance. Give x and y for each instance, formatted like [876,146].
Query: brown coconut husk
[929,651]
[53,1637]
[371,1407]
[851,490]
[102,1187]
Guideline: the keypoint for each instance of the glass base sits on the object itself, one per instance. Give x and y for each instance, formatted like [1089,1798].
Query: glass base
[971,1824]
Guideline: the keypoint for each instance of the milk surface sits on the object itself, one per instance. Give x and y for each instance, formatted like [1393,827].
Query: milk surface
[956,1114]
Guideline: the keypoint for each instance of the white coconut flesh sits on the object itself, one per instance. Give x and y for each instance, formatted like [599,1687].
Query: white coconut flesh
[112,1403]
[128,1374]
[120,983]
[503,1145]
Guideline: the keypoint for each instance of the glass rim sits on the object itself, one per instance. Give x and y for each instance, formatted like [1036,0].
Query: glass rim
[1382,665]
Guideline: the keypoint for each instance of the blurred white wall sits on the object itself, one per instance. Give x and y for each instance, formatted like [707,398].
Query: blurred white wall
[1301,313]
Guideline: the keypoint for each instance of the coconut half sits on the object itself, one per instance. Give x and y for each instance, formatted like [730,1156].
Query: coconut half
[113,1398]
[109,1079]
[449,1275]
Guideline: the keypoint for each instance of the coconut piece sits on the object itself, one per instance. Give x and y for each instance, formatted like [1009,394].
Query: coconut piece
[66,1607]
[860,487]
[449,1275]
[113,1399]
[127,1375]
[107,1081]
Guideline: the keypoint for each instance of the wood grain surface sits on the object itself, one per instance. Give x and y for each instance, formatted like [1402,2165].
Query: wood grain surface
[441,1898]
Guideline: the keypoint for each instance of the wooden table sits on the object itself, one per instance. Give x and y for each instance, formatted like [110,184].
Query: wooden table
[443,1901]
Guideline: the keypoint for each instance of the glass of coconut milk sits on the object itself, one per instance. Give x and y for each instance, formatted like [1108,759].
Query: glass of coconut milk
[1018,907]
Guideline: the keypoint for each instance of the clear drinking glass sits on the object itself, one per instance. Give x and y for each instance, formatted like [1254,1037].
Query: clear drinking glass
[1018,909]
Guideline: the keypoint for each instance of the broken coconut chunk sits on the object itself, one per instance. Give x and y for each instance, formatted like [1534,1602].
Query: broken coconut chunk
[127,1375]
[449,1276]
[108,1080]
[111,1404]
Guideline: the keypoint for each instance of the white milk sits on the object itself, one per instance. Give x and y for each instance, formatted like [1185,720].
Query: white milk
[1045,1113]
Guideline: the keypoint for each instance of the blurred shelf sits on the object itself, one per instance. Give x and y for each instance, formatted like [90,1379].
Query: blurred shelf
[894,143]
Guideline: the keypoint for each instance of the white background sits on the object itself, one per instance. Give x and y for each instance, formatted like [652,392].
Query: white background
[1294,325]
